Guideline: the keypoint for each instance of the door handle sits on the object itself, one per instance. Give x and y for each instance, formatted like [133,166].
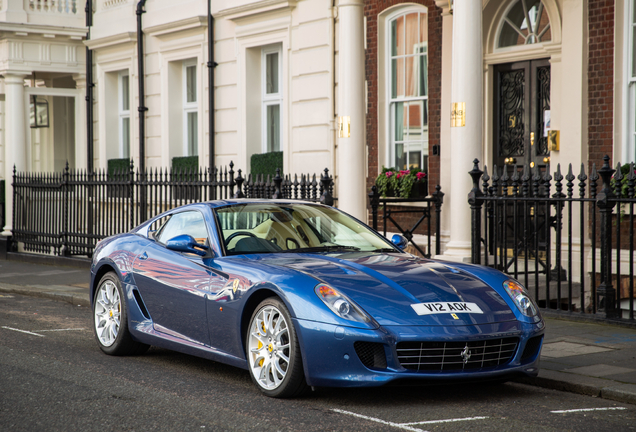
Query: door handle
[510,161]
[531,138]
[546,159]
[143,256]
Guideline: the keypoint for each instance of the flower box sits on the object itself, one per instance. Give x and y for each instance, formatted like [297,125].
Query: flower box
[402,183]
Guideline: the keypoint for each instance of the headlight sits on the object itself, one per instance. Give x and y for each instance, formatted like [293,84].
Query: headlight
[340,304]
[523,301]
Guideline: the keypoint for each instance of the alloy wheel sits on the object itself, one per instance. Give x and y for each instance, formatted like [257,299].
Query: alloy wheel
[269,347]
[107,313]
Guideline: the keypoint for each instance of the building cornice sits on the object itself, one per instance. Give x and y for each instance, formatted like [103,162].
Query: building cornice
[19,29]
[257,8]
[110,41]
[177,26]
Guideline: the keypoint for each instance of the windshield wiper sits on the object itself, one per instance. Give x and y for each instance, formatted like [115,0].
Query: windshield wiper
[383,250]
[331,248]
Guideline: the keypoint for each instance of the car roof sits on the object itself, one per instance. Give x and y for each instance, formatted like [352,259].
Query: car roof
[235,201]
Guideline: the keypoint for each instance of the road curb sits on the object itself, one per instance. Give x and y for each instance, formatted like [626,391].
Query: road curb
[581,384]
[79,299]
[52,260]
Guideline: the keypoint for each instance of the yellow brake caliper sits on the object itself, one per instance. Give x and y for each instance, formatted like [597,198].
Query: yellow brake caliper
[260,345]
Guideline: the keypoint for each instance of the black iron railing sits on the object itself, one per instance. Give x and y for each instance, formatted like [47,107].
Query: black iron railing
[428,212]
[67,213]
[535,227]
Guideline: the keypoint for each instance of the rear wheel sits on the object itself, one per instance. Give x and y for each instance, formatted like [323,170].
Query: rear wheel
[273,352]
[110,319]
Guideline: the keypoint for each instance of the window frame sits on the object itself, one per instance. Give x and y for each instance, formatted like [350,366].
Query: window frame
[123,113]
[271,99]
[504,19]
[628,153]
[157,235]
[190,107]
[391,101]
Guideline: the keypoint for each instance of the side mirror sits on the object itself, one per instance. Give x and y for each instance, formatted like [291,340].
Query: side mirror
[186,243]
[399,240]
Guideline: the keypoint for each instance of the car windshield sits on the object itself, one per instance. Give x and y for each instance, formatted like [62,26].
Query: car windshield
[272,228]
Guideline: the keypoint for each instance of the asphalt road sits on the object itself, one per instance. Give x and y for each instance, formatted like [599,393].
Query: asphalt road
[53,377]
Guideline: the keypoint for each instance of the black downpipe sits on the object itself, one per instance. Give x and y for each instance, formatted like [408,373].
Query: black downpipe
[142,96]
[211,66]
[89,112]
[141,170]
[89,88]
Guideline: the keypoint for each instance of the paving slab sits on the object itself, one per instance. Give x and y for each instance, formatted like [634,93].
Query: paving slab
[567,349]
[599,370]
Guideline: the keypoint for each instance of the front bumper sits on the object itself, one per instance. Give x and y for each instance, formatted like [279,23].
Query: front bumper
[330,358]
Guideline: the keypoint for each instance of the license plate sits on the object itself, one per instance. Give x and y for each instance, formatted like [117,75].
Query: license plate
[446,307]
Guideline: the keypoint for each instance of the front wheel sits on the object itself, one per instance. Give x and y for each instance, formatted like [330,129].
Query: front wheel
[273,352]
[110,319]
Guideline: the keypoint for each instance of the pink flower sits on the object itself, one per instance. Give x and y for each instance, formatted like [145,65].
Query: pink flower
[389,173]
[420,175]
[403,173]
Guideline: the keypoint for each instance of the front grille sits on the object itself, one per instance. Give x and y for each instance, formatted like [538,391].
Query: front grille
[532,348]
[371,354]
[449,356]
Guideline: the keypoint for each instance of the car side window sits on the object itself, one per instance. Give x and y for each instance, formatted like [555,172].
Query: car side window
[189,222]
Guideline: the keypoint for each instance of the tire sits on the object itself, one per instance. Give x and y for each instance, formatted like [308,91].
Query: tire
[110,319]
[273,352]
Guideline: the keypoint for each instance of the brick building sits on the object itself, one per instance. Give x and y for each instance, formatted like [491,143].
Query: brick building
[522,68]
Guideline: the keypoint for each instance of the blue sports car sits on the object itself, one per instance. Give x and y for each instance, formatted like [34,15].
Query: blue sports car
[301,295]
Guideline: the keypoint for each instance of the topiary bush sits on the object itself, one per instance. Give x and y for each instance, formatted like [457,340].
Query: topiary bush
[118,166]
[185,164]
[266,163]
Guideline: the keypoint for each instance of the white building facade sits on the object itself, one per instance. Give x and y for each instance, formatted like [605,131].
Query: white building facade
[323,81]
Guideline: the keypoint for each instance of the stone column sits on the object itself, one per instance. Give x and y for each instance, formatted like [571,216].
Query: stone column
[14,138]
[351,160]
[446,167]
[81,148]
[466,141]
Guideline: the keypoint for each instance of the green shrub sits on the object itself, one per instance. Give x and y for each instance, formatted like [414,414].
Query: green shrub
[185,164]
[266,163]
[118,166]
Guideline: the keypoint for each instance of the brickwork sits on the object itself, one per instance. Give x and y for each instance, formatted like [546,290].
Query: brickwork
[371,10]
[600,80]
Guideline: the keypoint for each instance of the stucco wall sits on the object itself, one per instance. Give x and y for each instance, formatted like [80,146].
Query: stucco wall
[178,31]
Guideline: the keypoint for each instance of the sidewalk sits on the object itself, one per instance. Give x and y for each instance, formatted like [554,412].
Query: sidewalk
[587,358]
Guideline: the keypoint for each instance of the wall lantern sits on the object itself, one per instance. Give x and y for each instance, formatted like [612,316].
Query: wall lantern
[39,113]
[451,5]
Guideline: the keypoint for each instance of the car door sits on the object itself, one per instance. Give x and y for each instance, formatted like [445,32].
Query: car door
[173,285]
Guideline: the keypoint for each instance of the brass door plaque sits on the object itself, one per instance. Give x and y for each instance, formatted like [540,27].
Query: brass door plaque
[553,140]
[344,126]
[458,114]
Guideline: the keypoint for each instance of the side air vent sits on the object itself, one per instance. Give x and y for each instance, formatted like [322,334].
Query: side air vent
[371,354]
[141,304]
[532,348]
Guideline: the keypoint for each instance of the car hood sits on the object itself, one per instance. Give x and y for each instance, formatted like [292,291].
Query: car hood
[387,285]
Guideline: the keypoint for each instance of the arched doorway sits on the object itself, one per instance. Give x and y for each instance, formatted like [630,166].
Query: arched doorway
[523,37]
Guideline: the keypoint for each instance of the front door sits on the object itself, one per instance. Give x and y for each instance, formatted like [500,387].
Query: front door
[522,115]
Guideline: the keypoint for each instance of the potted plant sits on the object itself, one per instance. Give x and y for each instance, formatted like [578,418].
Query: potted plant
[402,183]
[387,182]
[622,189]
